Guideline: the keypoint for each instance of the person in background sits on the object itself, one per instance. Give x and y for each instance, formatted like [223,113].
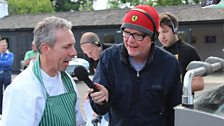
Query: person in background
[133,78]
[44,94]
[184,52]
[6,61]
[31,55]
[92,47]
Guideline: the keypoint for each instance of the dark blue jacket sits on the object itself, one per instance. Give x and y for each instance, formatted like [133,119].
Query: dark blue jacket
[144,98]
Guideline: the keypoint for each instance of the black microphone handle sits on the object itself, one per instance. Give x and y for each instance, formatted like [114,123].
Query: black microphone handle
[90,84]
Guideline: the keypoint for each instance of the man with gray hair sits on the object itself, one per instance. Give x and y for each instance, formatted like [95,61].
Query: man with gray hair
[44,94]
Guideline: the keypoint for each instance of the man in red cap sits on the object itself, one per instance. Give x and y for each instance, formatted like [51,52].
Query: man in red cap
[138,82]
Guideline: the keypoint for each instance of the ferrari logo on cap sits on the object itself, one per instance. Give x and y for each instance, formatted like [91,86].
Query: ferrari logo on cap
[134,18]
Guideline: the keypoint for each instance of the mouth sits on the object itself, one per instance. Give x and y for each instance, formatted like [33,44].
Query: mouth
[66,62]
[132,46]
[164,42]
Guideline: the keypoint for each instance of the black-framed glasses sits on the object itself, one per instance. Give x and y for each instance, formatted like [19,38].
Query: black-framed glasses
[136,36]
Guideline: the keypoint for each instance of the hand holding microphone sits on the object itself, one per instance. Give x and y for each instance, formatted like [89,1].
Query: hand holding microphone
[99,93]
[100,97]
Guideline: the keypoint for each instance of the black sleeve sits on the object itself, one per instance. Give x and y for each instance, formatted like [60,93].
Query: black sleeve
[194,55]
[101,77]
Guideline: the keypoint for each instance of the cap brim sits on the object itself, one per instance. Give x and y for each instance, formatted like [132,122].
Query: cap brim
[136,27]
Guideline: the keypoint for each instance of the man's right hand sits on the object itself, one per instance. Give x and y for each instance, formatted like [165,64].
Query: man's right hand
[100,96]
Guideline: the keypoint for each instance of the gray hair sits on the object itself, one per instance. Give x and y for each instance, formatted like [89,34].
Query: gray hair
[46,29]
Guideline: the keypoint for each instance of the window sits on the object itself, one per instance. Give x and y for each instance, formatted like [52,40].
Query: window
[210,39]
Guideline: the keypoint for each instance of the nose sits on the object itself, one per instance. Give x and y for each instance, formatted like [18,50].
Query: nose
[90,55]
[161,35]
[131,39]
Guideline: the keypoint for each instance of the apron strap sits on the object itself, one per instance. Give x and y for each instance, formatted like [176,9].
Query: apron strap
[67,81]
[36,70]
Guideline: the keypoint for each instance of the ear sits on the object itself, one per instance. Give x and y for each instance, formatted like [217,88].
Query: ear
[44,47]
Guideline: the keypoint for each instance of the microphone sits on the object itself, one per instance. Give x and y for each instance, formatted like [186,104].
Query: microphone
[82,75]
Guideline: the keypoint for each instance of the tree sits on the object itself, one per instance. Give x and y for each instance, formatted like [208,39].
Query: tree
[29,6]
[169,2]
[72,5]
[127,3]
[44,6]
[131,3]
[87,6]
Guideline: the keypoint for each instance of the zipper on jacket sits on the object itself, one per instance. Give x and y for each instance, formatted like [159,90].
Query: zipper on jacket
[138,75]
[138,83]
[138,97]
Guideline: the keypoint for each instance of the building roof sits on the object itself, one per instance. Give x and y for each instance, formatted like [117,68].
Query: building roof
[185,13]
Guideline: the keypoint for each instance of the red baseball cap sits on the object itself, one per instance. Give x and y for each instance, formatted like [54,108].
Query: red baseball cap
[143,18]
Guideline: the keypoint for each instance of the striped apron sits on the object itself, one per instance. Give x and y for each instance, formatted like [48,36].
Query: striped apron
[59,109]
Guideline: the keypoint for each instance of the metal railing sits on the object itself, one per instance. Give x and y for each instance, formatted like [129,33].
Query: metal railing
[198,68]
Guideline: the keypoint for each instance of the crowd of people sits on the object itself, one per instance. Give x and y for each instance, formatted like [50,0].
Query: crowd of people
[135,87]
